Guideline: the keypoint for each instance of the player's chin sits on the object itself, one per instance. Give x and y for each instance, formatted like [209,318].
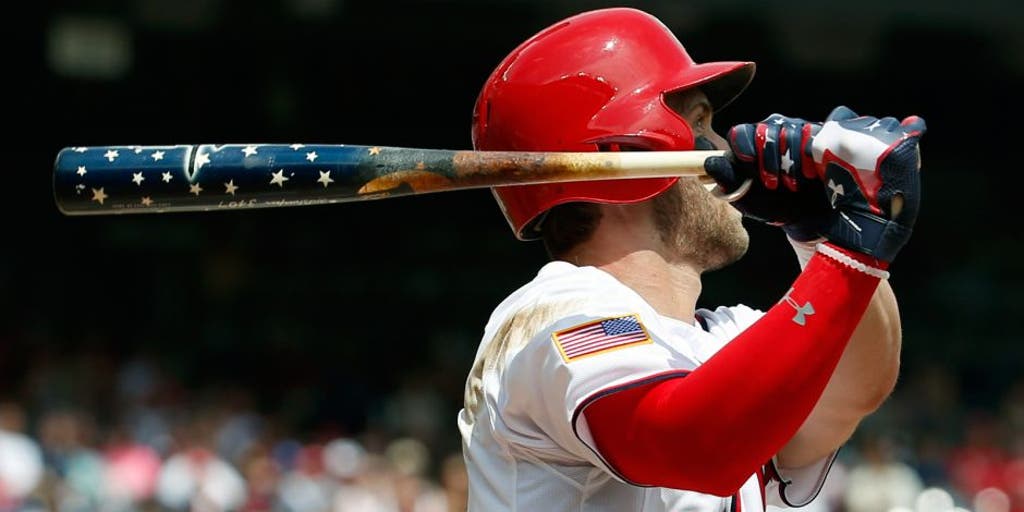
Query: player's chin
[730,241]
[732,246]
[730,218]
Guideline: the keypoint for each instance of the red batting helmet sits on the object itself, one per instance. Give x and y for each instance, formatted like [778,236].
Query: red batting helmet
[593,80]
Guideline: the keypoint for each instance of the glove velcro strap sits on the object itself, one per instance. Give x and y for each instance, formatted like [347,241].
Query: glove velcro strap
[859,262]
[867,233]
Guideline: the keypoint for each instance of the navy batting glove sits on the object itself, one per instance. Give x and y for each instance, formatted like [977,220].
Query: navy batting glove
[871,171]
[853,179]
[775,155]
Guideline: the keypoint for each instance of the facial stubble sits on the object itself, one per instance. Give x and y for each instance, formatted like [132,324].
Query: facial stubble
[699,228]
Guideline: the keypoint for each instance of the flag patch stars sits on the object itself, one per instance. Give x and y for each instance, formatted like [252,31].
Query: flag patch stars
[600,336]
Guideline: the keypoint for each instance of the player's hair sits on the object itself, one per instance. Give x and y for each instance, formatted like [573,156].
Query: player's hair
[567,225]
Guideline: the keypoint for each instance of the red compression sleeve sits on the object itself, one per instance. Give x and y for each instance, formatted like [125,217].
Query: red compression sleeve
[712,429]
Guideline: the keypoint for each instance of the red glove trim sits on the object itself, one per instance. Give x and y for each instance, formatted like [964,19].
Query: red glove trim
[770,180]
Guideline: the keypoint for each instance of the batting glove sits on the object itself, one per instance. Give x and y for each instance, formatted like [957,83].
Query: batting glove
[853,180]
[774,155]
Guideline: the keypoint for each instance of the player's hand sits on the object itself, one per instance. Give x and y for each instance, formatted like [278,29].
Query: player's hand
[866,169]
[775,156]
[871,171]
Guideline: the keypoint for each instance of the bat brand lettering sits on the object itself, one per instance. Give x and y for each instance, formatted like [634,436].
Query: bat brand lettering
[244,203]
[296,202]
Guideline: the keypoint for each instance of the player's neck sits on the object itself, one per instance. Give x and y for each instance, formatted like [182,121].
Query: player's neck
[671,289]
[636,256]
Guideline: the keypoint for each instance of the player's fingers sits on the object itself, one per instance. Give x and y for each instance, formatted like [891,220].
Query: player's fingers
[741,141]
[914,125]
[841,113]
[790,149]
[768,137]
[721,169]
[766,142]
[888,124]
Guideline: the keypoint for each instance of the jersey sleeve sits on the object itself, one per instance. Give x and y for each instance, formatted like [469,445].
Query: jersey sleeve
[796,487]
[725,323]
[576,360]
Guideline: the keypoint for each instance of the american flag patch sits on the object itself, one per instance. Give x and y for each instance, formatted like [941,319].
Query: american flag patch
[600,336]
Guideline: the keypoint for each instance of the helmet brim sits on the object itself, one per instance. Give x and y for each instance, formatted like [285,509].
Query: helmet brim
[722,82]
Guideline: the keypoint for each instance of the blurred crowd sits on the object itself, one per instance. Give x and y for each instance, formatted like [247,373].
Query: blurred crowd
[927,450]
[154,445]
[157,446]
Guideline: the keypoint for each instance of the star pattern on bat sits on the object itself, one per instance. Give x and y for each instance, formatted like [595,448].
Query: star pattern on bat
[79,149]
[130,175]
[146,201]
[278,178]
[325,178]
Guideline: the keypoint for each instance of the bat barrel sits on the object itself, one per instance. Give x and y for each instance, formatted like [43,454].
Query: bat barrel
[140,179]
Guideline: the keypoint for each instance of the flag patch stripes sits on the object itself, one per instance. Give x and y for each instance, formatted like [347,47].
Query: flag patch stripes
[600,336]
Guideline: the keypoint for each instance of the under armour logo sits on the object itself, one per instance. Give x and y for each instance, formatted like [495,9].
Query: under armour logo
[802,312]
[837,190]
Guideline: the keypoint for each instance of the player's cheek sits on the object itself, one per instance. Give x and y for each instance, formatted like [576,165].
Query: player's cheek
[710,141]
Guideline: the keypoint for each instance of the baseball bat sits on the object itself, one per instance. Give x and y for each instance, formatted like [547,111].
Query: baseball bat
[103,180]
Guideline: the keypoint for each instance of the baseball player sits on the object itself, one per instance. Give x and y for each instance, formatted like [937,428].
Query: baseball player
[599,385]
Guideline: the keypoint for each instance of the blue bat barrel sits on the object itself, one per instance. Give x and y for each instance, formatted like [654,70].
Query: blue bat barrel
[139,179]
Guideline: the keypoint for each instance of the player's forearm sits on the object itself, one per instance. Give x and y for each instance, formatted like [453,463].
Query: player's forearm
[863,379]
[868,369]
[694,432]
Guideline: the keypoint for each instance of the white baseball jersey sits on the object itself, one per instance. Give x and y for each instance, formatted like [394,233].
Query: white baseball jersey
[568,337]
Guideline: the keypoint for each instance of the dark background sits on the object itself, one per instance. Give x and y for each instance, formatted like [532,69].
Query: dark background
[321,311]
